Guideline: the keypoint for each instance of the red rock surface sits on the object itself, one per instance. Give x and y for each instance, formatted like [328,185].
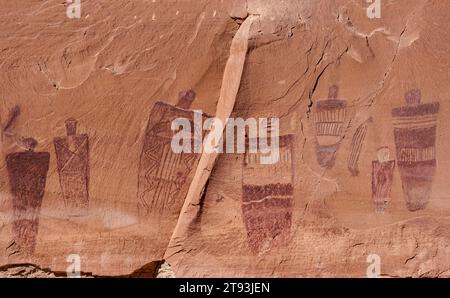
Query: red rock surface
[107,70]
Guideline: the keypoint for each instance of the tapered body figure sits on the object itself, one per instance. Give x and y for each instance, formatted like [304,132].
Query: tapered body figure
[163,173]
[27,177]
[329,118]
[72,156]
[415,140]
[267,198]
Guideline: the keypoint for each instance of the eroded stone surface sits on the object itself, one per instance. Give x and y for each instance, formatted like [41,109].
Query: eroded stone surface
[109,68]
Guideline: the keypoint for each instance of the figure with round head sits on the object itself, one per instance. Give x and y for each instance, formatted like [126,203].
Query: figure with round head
[329,120]
[382,178]
[163,173]
[415,141]
[27,171]
[72,159]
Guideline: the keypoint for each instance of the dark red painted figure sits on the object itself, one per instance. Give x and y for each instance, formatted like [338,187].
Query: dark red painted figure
[382,178]
[267,198]
[162,172]
[72,155]
[415,139]
[27,176]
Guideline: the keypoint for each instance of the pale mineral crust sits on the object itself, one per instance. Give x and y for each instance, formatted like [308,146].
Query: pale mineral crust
[363,101]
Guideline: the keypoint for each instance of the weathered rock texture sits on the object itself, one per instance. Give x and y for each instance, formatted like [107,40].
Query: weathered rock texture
[363,101]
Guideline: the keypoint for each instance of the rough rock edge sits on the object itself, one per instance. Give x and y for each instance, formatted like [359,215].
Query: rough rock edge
[150,270]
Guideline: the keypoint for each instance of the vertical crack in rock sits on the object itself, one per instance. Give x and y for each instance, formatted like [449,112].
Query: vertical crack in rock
[198,218]
[230,86]
[375,94]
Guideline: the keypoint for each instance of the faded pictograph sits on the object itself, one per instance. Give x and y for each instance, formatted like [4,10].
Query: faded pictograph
[8,138]
[27,177]
[415,140]
[163,173]
[72,156]
[382,178]
[329,120]
[356,147]
[267,198]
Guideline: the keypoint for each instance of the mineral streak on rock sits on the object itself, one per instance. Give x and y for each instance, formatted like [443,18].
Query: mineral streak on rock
[13,114]
[231,82]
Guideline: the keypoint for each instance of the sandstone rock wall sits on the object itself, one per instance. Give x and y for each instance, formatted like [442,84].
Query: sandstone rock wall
[108,69]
